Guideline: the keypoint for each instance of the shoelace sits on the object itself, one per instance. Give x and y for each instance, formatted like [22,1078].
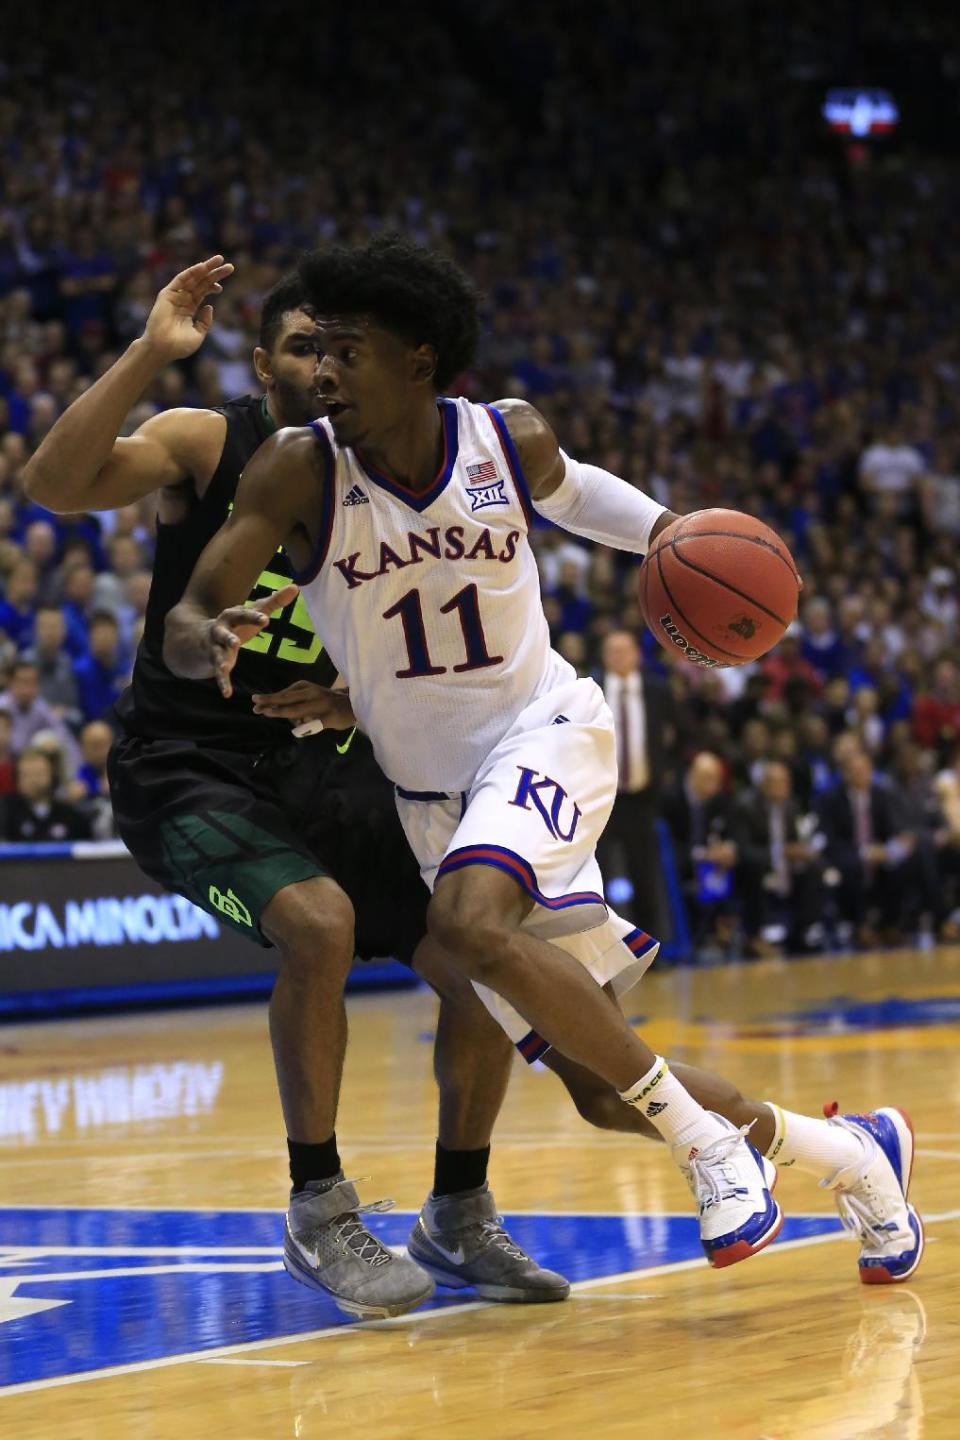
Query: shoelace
[494,1233]
[355,1236]
[712,1179]
[358,1239]
[859,1219]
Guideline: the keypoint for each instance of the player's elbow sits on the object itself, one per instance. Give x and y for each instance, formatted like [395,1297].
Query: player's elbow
[37,483]
[46,485]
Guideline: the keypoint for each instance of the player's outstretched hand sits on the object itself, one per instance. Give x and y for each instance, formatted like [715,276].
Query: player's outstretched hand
[234,627]
[179,320]
[303,701]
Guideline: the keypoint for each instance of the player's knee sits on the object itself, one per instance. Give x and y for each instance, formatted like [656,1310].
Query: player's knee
[468,932]
[312,926]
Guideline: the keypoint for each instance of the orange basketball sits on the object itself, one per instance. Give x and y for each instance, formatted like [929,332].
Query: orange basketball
[720,587]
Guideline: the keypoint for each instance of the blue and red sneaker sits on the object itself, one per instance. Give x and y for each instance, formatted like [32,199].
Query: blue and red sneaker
[872,1196]
[731,1183]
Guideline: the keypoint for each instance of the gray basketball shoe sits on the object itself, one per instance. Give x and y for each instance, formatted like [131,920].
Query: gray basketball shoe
[327,1247]
[460,1241]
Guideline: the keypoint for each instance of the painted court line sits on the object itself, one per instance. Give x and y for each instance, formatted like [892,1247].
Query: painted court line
[415,1317]
[424,1317]
[276,1364]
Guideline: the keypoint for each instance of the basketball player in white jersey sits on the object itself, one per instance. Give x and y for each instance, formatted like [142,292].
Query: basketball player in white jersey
[406,516]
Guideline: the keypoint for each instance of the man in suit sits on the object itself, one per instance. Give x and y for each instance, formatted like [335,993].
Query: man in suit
[33,814]
[870,843]
[697,813]
[778,868]
[642,717]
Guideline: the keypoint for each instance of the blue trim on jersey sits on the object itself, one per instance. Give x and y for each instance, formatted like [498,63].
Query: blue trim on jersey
[303,577]
[520,870]
[638,942]
[427,795]
[419,500]
[513,460]
[533,1047]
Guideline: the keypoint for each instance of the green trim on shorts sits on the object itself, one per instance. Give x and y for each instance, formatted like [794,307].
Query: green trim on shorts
[231,868]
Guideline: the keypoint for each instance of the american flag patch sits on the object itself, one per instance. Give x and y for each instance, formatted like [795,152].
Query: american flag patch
[482,473]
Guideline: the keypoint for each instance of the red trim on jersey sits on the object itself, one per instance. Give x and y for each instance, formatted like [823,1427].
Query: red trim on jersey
[419,499]
[519,869]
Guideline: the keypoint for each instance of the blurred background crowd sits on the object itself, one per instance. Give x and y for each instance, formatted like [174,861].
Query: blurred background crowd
[704,290]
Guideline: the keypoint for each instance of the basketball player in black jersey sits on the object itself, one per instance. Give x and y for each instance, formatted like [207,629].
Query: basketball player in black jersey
[293,843]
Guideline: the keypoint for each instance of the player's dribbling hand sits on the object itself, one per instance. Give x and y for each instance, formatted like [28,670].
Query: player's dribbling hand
[179,320]
[303,701]
[234,627]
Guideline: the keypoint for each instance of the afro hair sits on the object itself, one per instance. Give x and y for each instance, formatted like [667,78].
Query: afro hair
[417,293]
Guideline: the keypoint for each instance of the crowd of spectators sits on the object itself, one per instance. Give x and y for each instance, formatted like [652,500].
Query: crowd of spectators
[702,289]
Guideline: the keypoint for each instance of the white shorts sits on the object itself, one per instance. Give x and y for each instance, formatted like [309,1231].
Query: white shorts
[536,809]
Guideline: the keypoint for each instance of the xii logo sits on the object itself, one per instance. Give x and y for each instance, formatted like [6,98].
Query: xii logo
[546,793]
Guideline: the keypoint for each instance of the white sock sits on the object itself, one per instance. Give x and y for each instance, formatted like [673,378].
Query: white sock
[681,1120]
[813,1145]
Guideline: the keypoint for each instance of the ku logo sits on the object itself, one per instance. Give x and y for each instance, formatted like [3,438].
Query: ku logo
[546,792]
[229,905]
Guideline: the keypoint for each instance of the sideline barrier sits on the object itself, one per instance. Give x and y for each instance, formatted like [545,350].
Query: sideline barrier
[82,928]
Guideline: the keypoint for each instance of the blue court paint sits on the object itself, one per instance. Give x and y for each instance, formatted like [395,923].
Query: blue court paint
[850,1015]
[70,1309]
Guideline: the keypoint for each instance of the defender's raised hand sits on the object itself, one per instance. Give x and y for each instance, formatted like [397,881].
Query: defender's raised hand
[179,320]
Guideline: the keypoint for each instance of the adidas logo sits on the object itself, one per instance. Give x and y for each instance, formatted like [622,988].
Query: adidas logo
[656,1107]
[356,497]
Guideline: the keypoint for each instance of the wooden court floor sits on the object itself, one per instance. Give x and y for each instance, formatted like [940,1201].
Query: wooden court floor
[142,1182]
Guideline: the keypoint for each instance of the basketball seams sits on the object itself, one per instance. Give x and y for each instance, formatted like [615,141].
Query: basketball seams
[736,535]
[726,585]
[706,639]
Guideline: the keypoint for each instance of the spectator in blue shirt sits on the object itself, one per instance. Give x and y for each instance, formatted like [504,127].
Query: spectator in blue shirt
[77,595]
[100,674]
[17,607]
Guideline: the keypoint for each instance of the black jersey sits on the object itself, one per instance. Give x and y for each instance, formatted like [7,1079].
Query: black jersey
[158,704]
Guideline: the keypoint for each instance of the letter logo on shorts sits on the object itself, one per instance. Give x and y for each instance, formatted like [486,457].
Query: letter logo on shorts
[230,906]
[530,787]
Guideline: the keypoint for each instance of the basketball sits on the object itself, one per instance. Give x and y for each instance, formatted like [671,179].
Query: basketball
[719,586]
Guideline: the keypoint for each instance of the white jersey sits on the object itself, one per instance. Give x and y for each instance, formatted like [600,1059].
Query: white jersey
[429,603]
